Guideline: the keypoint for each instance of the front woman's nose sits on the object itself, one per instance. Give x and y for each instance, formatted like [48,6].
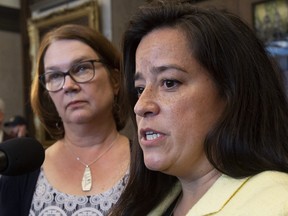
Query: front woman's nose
[147,104]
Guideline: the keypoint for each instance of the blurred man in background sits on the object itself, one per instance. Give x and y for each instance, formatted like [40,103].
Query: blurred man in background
[17,126]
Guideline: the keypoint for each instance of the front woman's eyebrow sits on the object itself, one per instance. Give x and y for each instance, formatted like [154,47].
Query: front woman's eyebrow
[158,70]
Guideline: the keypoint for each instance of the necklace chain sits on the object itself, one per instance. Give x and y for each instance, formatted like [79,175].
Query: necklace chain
[87,175]
[104,152]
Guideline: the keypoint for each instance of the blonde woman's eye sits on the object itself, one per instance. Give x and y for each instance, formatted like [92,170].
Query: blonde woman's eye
[82,68]
[50,76]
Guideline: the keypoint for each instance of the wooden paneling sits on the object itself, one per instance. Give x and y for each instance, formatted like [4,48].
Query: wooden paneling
[26,62]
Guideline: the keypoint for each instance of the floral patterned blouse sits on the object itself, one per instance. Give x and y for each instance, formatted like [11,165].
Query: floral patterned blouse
[48,201]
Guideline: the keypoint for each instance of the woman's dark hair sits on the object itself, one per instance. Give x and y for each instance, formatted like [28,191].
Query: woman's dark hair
[41,102]
[252,134]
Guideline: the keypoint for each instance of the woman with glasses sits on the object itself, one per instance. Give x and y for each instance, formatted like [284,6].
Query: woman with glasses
[78,96]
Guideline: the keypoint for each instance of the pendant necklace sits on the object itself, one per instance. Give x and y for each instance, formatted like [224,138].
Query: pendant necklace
[87,176]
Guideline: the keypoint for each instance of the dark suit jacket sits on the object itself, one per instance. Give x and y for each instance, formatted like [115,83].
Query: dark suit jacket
[16,193]
[6,136]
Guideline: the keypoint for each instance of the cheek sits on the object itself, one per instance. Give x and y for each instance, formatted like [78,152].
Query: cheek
[57,100]
[137,118]
[100,96]
[194,117]
[101,85]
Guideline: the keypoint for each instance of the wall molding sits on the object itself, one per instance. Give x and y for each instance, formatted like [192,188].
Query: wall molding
[9,19]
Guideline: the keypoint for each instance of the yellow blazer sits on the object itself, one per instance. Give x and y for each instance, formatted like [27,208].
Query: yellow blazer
[265,194]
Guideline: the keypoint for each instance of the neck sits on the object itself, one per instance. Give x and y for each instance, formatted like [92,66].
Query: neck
[88,151]
[192,191]
[99,131]
[92,137]
[87,180]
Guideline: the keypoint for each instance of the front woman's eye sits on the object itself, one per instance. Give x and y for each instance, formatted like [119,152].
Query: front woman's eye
[170,83]
[139,91]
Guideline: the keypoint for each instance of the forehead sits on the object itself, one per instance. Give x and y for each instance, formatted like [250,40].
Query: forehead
[66,50]
[164,42]
[162,47]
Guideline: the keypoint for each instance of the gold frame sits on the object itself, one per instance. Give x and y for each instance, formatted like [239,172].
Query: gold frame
[85,14]
[270,16]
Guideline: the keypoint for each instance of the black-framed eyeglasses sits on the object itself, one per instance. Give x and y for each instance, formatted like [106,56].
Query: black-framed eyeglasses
[81,72]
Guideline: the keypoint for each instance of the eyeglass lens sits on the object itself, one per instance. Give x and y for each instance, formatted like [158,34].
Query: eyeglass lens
[80,73]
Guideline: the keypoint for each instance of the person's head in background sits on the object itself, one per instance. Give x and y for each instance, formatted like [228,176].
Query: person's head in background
[207,100]
[106,55]
[17,126]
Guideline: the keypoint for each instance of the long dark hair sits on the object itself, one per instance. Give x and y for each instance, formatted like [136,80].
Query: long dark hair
[252,134]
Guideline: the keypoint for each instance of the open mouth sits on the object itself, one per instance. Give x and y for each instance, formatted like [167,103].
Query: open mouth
[151,135]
